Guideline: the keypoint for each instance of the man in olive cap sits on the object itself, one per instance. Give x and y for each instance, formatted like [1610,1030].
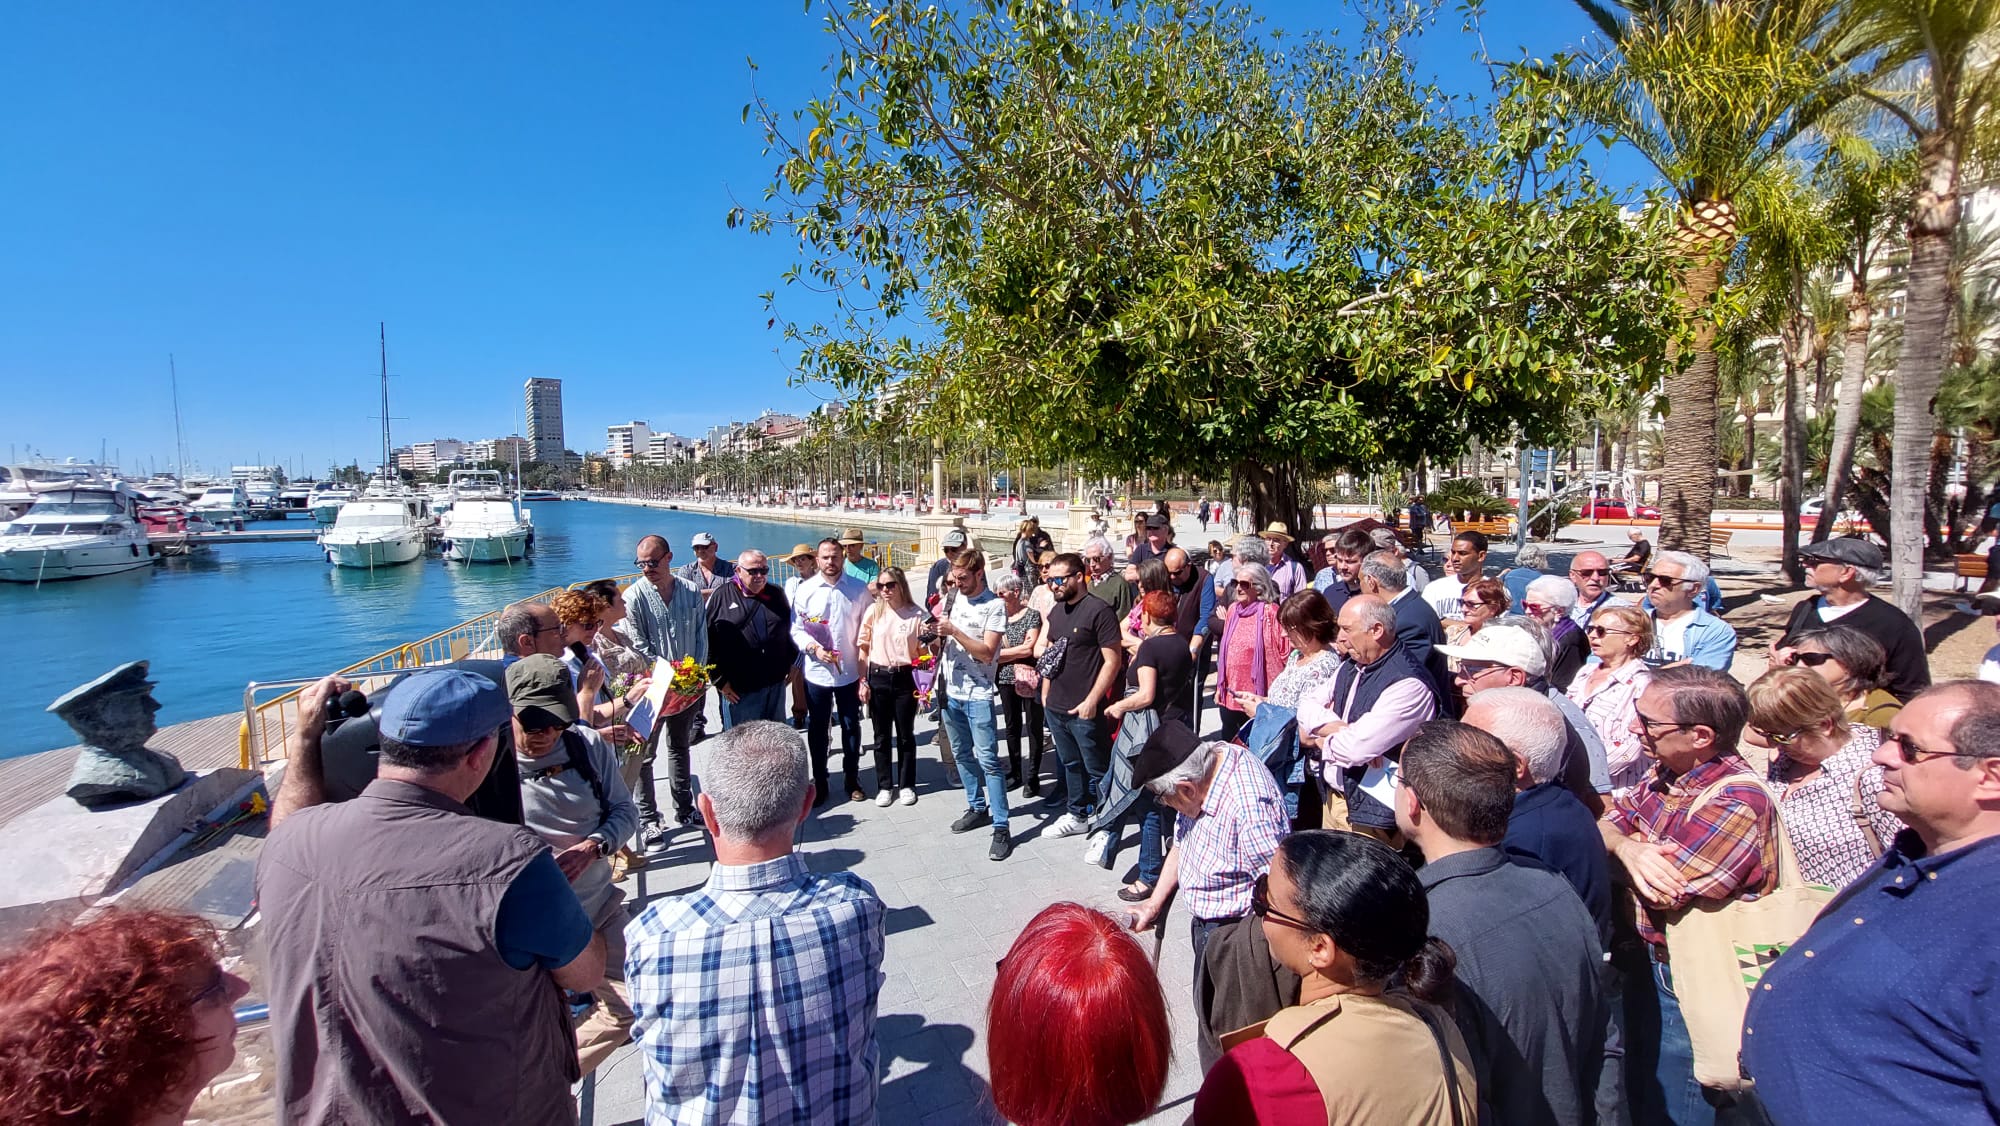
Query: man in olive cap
[1842,570]
[414,951]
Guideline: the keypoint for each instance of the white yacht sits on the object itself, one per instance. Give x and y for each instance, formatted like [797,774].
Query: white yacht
[75,531]
[485,524]
[326,500]
[382,527]
[225,506]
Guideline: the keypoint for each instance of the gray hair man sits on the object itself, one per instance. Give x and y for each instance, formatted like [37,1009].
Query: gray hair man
[1516,655]
[1842,571]
[1550,599]
[1386,539]
[1107,584]
[527,628]
[1384,576]
[1683,632]
[691,957]
[1378,697]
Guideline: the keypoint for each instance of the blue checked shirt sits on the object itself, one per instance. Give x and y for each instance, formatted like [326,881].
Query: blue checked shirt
[756,996]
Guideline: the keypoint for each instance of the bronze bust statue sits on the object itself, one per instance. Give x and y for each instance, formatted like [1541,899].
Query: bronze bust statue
[113,717]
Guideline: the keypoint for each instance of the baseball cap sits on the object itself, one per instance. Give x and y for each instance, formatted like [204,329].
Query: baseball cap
[850,535]
[442,708]
[703,539]
[1158,521]
[540,684]
[953,538]
[1851,550]
[1503,645]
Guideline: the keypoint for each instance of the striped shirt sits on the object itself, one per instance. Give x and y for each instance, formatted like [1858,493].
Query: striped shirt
[667,627]
[1724,849]
[756,995]
[1231,843]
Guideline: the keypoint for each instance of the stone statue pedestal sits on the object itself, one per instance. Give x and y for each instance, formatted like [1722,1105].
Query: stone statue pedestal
[931,527]
[62,856]
[1082,520]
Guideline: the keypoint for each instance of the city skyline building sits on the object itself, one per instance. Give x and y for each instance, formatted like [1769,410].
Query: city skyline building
[626,443]
[545,420]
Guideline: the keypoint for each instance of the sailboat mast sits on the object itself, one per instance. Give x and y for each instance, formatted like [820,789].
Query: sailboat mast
[180,442]
[382,328]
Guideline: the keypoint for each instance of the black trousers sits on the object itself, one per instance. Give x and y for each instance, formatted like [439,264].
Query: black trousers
[821,702]
[1024,712]
[892,708]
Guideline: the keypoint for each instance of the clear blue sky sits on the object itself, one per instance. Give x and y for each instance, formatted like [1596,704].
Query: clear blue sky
[518,190]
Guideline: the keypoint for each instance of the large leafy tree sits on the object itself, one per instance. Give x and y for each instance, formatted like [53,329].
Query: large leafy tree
[1148,238]
[1951,44]
[1710,92]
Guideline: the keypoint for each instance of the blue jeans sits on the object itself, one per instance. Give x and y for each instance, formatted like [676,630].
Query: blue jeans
[1152,836]
[763,703]
[973,744]
[1659,1055]
[1084,750]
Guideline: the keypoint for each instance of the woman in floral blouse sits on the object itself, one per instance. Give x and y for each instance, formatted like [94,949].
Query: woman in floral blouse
[1826,783]
[1608,687]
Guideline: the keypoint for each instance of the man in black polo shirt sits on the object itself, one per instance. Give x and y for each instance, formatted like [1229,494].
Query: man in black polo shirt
[1086,632]
[1842,570]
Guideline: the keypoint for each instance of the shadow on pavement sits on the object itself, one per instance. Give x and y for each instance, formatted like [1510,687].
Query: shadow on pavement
[943,1081]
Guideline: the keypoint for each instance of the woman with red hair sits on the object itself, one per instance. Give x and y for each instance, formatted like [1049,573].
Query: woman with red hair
[120,1021]
[1077,1029]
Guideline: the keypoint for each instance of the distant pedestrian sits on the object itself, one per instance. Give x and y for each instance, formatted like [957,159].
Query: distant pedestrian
[1201,513]
[757,992]
[749,624]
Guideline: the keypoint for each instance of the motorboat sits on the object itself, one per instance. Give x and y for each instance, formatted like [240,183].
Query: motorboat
[75,530]
[295,497]
[326,500]
[225,505]
[540,494]
[485,524]
[262,493]
[383,527]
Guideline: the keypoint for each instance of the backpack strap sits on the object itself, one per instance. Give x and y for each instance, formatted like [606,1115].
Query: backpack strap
[1857,808]
[578,749]
[1788,874]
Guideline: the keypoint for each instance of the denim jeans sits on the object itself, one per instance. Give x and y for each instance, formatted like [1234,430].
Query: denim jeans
[974,743]
[1659,1055]
[822,701]
[763,703]
[1152,835]
[1084,749]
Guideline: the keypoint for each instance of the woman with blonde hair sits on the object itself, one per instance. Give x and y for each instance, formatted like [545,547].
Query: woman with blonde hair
[1608,689]
[1029,544]
[1824,775]
[886,647]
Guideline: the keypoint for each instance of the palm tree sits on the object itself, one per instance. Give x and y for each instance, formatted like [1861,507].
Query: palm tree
[1951,42]
[1710,92]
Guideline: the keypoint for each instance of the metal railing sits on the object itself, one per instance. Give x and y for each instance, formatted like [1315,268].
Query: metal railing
[270,708]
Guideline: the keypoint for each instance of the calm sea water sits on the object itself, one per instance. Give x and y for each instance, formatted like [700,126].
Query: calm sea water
[231,614]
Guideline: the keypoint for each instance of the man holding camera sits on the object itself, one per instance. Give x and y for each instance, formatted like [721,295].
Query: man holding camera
[413,950]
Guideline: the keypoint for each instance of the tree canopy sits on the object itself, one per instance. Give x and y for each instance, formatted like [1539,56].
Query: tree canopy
[1156,236]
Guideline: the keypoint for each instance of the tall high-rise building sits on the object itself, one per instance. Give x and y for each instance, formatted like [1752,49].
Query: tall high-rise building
[627,443]
[545,421]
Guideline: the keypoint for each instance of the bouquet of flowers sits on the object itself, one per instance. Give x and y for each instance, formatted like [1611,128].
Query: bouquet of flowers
[621,687]
[687,683]
[924,670]
[821,632]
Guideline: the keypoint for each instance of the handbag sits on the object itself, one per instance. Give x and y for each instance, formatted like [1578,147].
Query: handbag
[1051,661]
[1719,951]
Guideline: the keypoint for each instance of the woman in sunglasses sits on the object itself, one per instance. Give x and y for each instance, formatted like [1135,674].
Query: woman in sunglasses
[1370,1037]
[1253,644]
[1822,771]
[886,647]
[123,1019]
[1857,667]
[1608,688]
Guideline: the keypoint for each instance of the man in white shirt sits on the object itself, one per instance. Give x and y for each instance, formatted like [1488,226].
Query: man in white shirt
[826,619]
[1465,564]
[971,626]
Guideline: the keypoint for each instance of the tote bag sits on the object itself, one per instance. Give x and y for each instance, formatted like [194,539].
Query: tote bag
[1719,952]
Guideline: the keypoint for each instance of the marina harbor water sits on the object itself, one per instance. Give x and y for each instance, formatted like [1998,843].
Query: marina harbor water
[228,614]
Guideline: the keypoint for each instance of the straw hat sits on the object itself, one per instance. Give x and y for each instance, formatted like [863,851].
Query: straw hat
[804,549]
[1277,531]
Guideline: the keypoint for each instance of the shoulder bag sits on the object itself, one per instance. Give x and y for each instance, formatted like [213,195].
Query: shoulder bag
[1719,951]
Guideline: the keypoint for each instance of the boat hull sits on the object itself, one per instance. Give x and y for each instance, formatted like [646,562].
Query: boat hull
[326,512]
[374,553]
[487,549]
[54,564]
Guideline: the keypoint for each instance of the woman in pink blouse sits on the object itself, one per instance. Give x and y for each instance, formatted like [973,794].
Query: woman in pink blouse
[1253,644]
[1822,770]
[1608,687]
[886,645]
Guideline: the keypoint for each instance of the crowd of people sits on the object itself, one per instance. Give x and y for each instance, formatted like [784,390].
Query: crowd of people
[1456,850]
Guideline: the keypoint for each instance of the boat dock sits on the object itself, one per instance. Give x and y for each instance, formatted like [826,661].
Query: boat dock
[252,535]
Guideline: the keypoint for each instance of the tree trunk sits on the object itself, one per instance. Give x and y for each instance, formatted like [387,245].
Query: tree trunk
[1920,368]
[1687,480]
[1271,492]
[1847,416]
[1739,485]
[1792,445]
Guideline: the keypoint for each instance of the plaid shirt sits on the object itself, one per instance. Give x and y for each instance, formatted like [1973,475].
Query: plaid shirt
[1724,849]
[756,995]
[1232,842]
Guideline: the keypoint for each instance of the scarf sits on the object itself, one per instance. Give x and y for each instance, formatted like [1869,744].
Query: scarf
[1240,613]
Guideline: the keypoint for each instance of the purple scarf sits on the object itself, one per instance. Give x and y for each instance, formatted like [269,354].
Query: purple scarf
[1238,613]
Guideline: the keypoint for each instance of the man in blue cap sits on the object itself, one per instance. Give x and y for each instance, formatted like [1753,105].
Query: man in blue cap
[414,951]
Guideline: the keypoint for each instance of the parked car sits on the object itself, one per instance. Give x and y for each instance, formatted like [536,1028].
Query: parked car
[1610,508]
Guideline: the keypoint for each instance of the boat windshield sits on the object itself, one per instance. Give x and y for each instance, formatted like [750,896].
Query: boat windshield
[69,529]
[352,519]
[68,507]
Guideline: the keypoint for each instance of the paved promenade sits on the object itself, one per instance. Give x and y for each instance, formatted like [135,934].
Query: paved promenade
[952,914]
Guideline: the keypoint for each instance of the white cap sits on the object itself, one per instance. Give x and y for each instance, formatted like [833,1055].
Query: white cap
[703,539]
[1503,645]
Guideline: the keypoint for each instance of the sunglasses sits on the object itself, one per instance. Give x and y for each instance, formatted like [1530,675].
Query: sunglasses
[1260,906]
[1912,754]
[1478,604]
[1058,580]
[647,564]
[756,570]
[1600,631]
[217,987]
[1588,572]
[1778,739]
[882,585]
[1812,660]
[1653,579]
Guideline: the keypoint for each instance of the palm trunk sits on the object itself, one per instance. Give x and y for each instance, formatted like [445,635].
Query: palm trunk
[1847,416]
[1920,368]
[1792,445]
[1687,480]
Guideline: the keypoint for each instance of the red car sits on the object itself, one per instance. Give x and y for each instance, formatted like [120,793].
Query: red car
[1607,508]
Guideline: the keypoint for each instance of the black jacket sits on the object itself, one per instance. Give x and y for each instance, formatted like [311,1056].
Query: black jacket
[750,639]
[1909,671]
[349,752]
[1418,628]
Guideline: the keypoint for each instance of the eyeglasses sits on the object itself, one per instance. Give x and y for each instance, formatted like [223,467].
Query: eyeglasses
[1588,572]
[1477,604]
[1649,724]
[1473,670]
[1245,584]
[647,564]
[1260,906]
[218,985]
[1600,631]
[1778,739]
[756,570]
[1812,660]
[539,630]
[540,728]
[1655,579]
[1912,754]
[1536,607]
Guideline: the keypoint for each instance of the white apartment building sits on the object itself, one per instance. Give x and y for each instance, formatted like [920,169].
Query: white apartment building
[626,443]
[666,447]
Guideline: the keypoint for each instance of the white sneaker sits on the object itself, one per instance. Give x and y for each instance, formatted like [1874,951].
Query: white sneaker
[1068,825]
[886,798]
[909,798]
[1099,847]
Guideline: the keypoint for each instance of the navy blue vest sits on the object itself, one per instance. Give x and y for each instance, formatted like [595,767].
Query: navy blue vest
[1394,665]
